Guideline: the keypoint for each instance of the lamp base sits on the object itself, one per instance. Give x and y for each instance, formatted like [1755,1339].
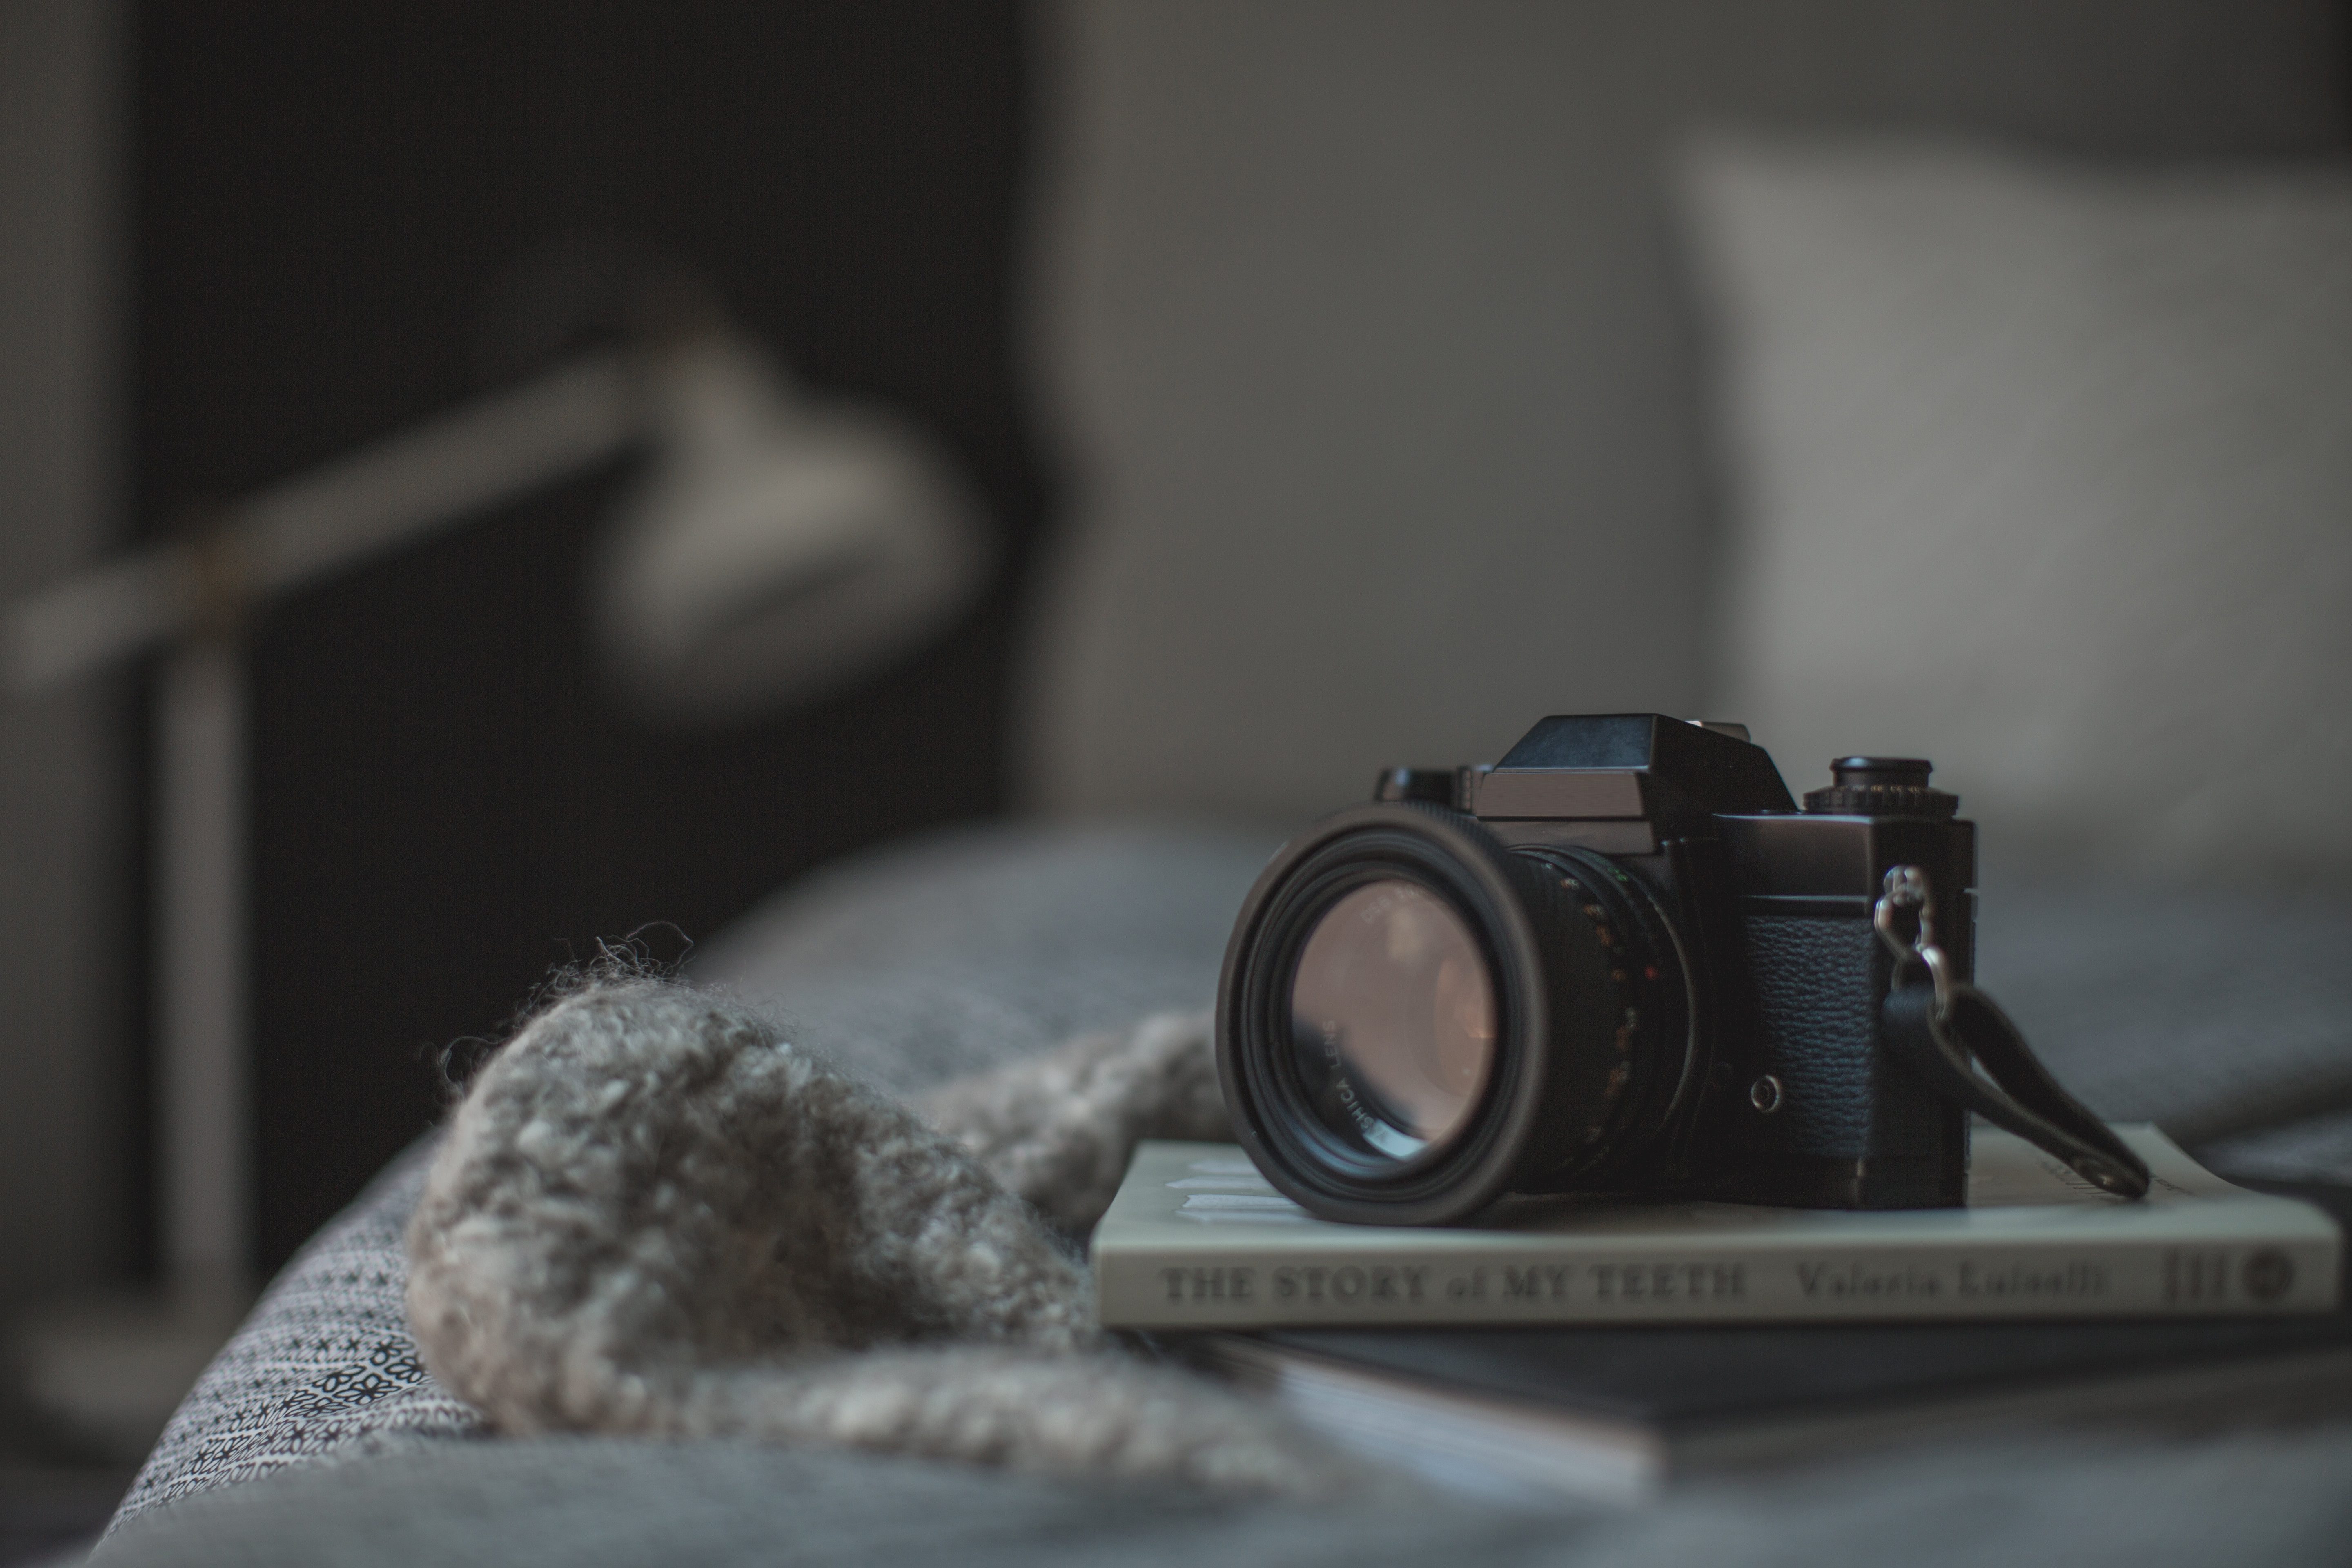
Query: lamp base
[99,1375]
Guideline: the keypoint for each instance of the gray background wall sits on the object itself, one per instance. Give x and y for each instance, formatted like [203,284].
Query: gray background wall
[1360,328]
[1363,327]
[64,1138]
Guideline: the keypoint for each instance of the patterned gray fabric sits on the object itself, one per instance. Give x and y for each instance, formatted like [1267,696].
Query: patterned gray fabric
[911,965]
[325,1366]
[2317,1150]
[2205,1011]
[2281,1501]
[2210,1011]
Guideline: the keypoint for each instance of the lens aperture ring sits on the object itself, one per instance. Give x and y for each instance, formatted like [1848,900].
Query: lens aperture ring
[1643,1034]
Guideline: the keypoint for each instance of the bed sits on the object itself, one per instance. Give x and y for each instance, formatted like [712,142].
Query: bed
[1679,415]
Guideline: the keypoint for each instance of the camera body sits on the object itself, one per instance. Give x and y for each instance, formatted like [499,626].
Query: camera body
[1683,983]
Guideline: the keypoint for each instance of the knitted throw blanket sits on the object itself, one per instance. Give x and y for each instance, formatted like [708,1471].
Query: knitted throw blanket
[654,1215]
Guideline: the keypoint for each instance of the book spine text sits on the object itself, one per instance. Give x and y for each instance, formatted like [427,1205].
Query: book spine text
[1196,1288]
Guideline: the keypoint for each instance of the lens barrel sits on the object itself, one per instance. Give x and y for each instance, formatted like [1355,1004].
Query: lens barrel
[1414,1019]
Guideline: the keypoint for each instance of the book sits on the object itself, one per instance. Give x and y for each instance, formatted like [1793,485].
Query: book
[1197,1239]
[1612,1413]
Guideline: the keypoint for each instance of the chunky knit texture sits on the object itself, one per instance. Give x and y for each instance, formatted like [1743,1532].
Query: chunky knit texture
[653,1216]
[1058,1129]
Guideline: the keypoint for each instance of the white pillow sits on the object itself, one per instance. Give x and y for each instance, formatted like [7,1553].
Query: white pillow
[2044,472]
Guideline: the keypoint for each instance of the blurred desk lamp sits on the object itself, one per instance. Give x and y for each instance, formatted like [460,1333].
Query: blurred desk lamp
[775,548]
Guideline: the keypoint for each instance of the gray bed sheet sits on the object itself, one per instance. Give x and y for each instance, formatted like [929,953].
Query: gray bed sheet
[960,949]
[316,1437]
[2279,1500]
[2225,1014]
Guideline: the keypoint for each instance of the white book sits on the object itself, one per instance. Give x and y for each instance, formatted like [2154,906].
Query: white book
[1197,1239]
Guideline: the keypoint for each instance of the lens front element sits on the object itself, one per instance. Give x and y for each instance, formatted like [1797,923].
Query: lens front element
[1392,1019]
[1415,1018]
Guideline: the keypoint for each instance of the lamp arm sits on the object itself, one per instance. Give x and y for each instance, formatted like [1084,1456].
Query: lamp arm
[329,518]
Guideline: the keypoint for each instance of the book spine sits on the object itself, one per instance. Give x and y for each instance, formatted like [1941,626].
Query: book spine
[1202,1287]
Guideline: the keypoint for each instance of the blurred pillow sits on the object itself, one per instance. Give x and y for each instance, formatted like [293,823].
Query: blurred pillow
[2044,471]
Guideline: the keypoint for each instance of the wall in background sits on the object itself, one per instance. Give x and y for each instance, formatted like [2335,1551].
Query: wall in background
[63,970]
[445,800]
[1368,323]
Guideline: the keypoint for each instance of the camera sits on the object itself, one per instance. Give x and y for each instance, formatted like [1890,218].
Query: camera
[1622,959]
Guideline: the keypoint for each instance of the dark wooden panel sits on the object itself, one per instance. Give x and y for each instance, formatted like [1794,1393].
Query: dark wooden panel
[446,801]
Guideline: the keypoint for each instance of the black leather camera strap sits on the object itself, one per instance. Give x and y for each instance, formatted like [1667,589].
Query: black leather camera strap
[2021,1096]
[1944,1029]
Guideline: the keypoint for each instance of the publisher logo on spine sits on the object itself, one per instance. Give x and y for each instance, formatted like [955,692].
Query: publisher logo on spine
[2269,1274]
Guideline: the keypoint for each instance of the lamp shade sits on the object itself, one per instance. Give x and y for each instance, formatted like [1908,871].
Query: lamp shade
[778,547]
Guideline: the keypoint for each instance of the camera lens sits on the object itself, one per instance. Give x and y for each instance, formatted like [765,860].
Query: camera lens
[1392,1018]
[1415,1019]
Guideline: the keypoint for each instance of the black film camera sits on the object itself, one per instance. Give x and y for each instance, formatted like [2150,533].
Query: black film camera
[1621,959]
